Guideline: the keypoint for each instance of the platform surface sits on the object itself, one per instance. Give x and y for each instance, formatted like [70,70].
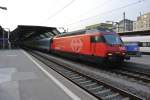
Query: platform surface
[144,59]
[22,79]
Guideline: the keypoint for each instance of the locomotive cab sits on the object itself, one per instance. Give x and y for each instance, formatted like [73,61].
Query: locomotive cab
[108,44]
[115,48]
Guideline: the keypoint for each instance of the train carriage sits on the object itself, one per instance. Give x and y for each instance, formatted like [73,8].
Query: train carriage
[132,48]
[143,42]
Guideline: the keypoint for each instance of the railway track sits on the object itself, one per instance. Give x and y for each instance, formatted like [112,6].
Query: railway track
[139,76]
[99,89]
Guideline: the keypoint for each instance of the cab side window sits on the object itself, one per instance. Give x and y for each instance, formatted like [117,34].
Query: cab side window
[97,39]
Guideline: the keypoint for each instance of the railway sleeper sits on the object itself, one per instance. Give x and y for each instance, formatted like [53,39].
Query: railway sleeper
[81,79]
[95,88]
[85,82]
[76,77]
[71,75]
[112,96]
[98,89]
[90,84]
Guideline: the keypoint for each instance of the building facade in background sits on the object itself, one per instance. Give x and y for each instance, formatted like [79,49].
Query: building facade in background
[125,25]
[100,25]
[142,23]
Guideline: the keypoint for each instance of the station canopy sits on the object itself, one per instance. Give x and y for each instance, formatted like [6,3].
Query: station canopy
[3,32]
[24,32]
[133,33]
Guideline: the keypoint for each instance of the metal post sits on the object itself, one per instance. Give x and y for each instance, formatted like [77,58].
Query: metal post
[117,26]
[3,8]
[9,44]
[3,40]
[124,26]
[8,34]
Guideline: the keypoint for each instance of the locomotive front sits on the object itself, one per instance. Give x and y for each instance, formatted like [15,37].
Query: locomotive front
[115,50]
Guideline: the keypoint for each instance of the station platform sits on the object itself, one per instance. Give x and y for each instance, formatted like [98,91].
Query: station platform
[144,59]
[22,77]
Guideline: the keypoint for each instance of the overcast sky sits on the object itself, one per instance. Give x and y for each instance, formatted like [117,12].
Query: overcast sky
[73,14]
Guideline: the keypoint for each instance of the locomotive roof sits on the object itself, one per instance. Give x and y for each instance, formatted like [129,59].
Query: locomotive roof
[73,33]
[83,31]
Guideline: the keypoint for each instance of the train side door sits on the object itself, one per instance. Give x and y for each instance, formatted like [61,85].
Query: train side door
[93,45]
[97,47]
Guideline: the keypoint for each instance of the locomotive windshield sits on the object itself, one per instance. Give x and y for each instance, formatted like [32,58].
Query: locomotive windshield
[112,39]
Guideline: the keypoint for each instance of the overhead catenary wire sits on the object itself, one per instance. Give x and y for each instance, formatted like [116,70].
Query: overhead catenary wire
[101,6]
[58,11]
[115,9]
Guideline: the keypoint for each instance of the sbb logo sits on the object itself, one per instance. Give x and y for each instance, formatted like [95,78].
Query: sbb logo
[76,45]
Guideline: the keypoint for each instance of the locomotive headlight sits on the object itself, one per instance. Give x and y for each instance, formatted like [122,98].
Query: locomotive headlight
[109,54]
[123,53]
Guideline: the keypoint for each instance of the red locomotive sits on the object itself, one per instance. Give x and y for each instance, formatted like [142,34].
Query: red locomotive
[96,45]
